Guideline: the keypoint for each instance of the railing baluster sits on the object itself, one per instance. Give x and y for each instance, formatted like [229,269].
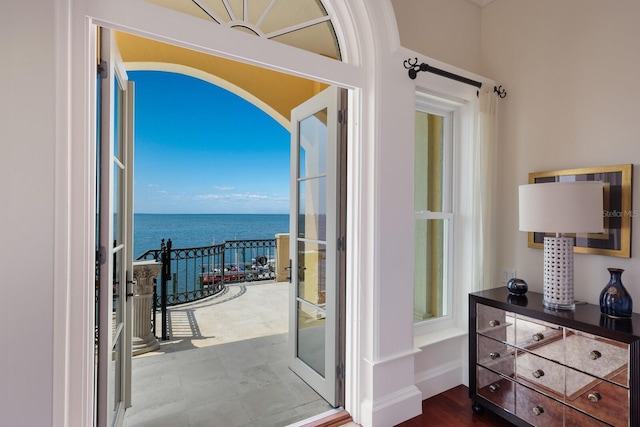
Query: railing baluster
[199,272]
[166,273]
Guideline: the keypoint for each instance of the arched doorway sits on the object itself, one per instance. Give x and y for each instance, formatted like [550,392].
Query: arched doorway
[142,18]
[295,407]
[332,243]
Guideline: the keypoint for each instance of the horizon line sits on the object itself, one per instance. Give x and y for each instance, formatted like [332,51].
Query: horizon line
[207,213]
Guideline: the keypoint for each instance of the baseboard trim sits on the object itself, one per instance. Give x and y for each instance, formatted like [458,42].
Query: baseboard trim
[439,379]
[393,408]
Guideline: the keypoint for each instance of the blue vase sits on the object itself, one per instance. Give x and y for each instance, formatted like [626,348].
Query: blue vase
[615,301]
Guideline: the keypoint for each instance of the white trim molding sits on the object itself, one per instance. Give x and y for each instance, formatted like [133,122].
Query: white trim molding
[393,408]
[442,377]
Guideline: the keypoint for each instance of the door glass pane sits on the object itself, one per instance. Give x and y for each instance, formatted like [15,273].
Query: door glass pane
[97,225]
[312,219]
[117,108]
[117,205]
[311,337]
[312,272]
[118,290]
[302,161]
[429,286]
[313,145]
[115,375]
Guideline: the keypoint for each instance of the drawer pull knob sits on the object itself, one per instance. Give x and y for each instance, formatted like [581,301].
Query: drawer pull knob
[595,397]
[494,355]
[538,337]
[538,410]
[494,323]
[538,373]
[494,387]
[595,354]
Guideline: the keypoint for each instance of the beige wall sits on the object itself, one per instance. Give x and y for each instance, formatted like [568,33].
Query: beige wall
[27,135]
[446,30]
[571,70]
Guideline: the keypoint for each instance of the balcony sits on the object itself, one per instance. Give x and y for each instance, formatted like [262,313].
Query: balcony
[225,359]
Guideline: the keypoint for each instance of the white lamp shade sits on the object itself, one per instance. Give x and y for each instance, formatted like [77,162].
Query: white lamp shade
[562,207]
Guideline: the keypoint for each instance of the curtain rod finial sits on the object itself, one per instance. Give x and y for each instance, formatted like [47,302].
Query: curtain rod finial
[500,91]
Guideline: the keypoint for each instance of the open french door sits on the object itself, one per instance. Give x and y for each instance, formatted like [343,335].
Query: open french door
[316,245]
[114,235]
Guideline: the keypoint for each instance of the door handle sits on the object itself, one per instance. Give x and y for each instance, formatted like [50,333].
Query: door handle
[129,284]
[289,270]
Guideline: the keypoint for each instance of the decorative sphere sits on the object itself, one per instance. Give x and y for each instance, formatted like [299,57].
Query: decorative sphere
[517,286]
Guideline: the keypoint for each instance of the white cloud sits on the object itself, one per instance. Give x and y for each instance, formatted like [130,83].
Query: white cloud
[231,197]
[223,188]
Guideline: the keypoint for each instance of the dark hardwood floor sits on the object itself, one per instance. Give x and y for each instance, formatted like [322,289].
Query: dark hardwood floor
[452,409]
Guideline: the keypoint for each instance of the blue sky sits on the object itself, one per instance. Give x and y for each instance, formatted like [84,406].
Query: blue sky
[202,149]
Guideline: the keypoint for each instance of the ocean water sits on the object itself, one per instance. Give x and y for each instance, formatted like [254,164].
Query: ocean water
[191,230]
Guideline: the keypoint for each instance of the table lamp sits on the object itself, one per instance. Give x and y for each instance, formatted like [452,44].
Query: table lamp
[560,207]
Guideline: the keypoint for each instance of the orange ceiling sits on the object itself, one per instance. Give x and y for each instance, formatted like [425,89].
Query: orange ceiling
[282,92]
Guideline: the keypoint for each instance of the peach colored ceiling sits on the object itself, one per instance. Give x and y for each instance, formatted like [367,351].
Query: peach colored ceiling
[281,92]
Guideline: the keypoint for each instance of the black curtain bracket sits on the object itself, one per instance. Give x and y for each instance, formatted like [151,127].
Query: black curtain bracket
[414,68]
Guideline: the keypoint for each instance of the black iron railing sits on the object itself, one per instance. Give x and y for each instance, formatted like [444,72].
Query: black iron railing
[190,274]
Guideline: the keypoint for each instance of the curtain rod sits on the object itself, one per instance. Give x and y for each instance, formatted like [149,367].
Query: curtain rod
[413,67]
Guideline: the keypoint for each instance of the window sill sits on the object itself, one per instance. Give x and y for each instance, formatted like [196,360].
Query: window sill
[435,337]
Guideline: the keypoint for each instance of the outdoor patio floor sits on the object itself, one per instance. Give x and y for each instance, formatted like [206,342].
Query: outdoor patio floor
[225,365]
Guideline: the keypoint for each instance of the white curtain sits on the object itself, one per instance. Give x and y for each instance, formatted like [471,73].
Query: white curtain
[484,192]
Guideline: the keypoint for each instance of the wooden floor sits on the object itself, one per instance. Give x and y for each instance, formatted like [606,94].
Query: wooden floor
[451,409]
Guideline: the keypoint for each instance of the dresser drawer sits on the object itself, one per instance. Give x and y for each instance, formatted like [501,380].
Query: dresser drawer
[538,409]
[496,356]
[496,389]
[598,356]
[532,334]
[495,323]
[541,374]
[601,399]
[573,418]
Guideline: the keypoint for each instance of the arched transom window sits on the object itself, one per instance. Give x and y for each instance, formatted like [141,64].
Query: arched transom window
[304,24]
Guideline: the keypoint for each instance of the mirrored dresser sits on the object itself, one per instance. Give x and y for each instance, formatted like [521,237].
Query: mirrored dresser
[540,367]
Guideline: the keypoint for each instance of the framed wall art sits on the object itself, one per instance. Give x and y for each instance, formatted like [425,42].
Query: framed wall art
[617,214]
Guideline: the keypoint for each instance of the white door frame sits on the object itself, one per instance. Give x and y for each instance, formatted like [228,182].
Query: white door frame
[117,103]
[75,157]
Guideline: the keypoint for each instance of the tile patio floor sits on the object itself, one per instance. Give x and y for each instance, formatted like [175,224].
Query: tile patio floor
[225,365]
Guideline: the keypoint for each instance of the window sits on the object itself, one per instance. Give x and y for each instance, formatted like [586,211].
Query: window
[305,24]
[433,212]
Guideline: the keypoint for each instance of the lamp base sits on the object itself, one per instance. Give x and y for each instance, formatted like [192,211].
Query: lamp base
[554,306]
[558,273]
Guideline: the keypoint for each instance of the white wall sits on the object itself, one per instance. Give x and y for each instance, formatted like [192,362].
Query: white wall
[27,130]
[571,70]
[446,30]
